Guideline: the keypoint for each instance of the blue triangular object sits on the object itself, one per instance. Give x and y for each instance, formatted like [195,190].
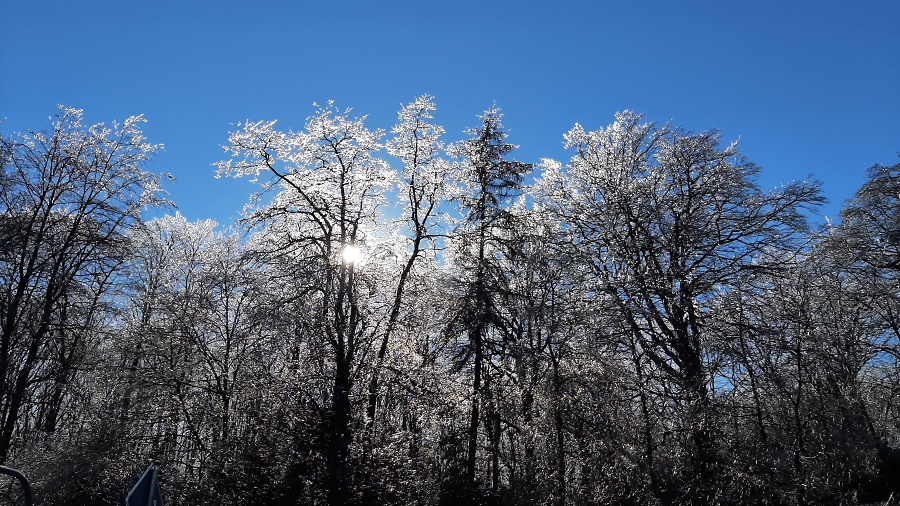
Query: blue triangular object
[146,491]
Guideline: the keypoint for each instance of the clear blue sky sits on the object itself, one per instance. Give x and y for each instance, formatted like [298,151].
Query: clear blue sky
[809,87]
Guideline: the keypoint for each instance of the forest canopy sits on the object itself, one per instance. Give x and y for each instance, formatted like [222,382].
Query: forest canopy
[402,318]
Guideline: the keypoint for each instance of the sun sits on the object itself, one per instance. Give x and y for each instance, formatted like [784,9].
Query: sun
[351,254]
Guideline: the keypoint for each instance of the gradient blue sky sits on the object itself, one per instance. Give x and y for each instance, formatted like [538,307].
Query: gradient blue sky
[809,87]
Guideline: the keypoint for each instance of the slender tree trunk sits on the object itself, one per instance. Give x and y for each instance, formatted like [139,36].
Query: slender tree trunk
[798,424]
[757,407]
[55,403]
[703,459]
[23,377]
[338,438]
[494,418]
[475,339]
[16,399]
[372,405]
[649,460]
[560,434]
[529,463]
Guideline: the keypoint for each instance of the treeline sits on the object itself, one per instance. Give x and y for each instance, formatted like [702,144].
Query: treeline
[399,319]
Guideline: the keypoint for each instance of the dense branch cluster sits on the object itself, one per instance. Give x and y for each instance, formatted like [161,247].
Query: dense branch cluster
[400,319]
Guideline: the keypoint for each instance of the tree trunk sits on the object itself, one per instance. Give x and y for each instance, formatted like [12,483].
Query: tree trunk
[338,438]
[703,459]
[372,404]
[560,435]
[16,400]
[471,462]
[494,419]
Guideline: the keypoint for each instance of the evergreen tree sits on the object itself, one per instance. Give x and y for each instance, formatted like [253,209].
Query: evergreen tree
[488,183]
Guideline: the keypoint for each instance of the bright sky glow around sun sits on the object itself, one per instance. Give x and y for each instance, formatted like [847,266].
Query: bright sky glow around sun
[351,255]
[808,87]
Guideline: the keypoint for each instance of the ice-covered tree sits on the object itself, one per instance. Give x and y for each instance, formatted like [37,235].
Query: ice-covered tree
[487,184]
[67,198]
[325,186]
[423,182]
[665,219]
